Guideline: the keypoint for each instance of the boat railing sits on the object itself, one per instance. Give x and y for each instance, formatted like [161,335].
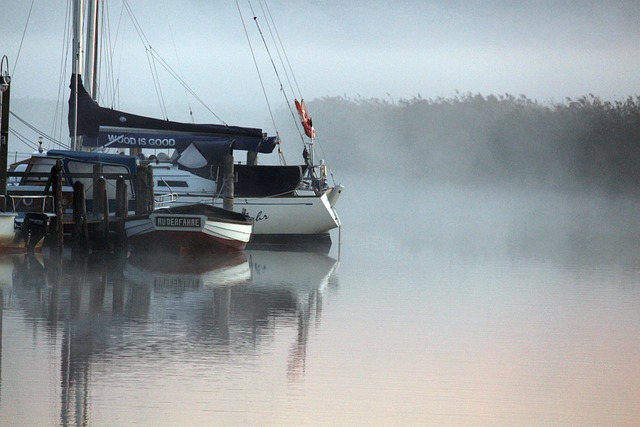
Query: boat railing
[315,179]
[30,203]
[163,200]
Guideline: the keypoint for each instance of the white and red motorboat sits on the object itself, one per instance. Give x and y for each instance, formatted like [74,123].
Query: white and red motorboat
[192,228]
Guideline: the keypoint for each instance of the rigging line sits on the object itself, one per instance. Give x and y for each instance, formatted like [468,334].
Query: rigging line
[263,5]
[36,130]
[64,58]
[286,98]
[293,113]
[24,32]
[179,79]
[33,128]
[136,24]
[275,69]
[22,138]
[107,45]
[165,65]
[264,92]
[268,13]
[319,144]
[147,46]
[266,46]
[99,50]
[163,106]
[114,82]
[255,62]
[175,51]
[154,77]
[105,56]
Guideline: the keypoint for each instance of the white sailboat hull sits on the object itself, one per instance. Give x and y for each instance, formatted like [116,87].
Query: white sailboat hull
[303,215]
[291,215]
[273,216]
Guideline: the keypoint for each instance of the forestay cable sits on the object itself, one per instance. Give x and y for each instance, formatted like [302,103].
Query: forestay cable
[24,32]
[152,54]
[264,92]
[38,131]
[280,47]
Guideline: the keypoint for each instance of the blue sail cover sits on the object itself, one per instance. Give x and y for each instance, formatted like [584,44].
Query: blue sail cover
[128,162]
[102,127]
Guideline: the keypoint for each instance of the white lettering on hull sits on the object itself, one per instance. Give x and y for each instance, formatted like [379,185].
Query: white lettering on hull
[177,222]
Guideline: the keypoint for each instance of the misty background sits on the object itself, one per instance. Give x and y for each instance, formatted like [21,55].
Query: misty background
[543,93]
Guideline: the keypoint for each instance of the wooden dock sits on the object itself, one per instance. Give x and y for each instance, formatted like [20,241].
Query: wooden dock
[66,217]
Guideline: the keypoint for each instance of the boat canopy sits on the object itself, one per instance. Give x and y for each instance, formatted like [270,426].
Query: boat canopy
[106,127]
[129,162]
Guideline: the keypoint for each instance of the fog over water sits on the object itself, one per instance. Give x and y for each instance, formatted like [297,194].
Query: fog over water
[438,304]
[395,50]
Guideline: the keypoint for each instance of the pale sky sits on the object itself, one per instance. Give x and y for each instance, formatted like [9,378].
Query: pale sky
[546,50]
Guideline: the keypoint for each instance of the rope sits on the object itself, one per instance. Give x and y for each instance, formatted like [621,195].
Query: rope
[286,97]
[66,42]
[154,55]
[24,32]
[112,82]
[175,51]
[267,12]
[22,138]
[39,132]
[284,52]
[148,48]
[294,115]
[255,62]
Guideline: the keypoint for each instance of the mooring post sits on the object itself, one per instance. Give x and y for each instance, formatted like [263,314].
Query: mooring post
[105,209]
[80,230]
[97,174]
[149,186]
[99,186]
[228,174]
[144,190]
[55,184]
[121,208]
[57,198]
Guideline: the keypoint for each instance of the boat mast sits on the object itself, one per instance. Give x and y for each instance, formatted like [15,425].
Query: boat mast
[76,67]
[91,55]
[85,63]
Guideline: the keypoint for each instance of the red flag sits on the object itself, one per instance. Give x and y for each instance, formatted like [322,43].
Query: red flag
[307,124]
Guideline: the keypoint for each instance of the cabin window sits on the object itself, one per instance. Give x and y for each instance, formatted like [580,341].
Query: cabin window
[165,183]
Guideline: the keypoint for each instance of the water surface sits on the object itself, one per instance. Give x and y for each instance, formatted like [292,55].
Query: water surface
[447,306]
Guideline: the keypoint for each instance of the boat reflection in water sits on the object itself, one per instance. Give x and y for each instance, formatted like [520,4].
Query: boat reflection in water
[160,270]
[128,312]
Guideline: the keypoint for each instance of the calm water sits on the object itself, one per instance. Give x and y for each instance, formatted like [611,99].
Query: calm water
[453,306]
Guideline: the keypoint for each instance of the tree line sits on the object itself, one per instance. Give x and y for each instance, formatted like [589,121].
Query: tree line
[583,143]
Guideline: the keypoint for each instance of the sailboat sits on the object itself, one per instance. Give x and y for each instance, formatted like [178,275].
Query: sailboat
[193,226]
[286,203]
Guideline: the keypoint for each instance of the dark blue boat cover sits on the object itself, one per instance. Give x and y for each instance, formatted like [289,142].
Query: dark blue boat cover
[91,157]
[102,126]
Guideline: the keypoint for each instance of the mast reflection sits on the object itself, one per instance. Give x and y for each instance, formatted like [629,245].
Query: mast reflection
[133,307]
